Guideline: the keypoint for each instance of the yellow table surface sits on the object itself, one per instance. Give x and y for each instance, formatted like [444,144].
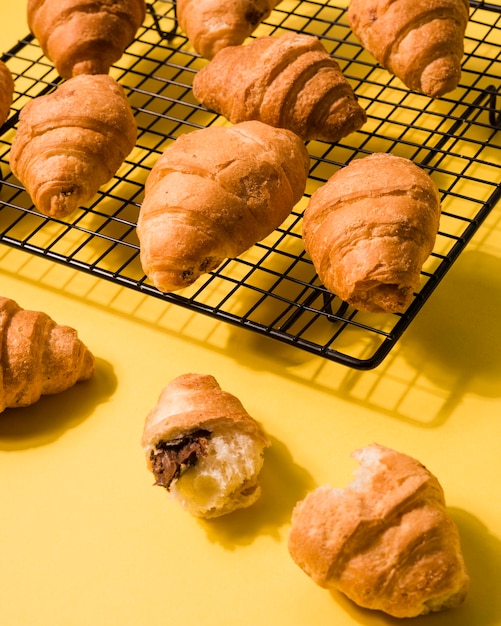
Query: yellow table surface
[85,539]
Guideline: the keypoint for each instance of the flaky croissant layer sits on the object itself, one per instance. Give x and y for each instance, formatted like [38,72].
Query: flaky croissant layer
[212,25]
[37,356]
[72,141]
[369,230]
[288,81]
[6,91]
[203,446]
[213,194]
[420,42]
[84,36]
[386,541]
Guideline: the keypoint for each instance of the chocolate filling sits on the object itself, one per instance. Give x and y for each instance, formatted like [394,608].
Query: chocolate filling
[170,458]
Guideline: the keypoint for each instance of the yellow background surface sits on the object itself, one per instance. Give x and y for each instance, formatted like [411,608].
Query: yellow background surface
[85,539]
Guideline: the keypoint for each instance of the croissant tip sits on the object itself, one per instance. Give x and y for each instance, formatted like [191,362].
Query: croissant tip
[440,77]
[88,366]
[57,200]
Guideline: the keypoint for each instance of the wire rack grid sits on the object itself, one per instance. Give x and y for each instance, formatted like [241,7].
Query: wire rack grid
[273,289]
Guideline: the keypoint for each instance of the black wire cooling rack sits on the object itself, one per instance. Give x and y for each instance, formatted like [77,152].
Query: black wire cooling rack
[272,289]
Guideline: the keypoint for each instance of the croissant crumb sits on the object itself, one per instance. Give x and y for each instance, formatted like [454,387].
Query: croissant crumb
[202,446]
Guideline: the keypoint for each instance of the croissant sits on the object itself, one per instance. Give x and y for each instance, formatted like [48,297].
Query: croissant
[84,36]
[202,446]
[386,541]
[211,25]
[422,43]
[370,228]
[289,82]
[6,92]
[213,194]
[72,141]
[37,356]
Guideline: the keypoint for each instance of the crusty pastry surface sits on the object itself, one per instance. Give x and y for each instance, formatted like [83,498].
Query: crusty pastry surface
[84,36]
[192,402]
[6,92]
[420,42]
[213,194]
[288,81]
[369,230]
[37,356]
[386,541]
[72,141]
[212,25]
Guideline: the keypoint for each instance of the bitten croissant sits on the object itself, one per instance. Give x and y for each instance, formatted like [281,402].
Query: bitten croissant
[420,42]
[72,141]
[211,25]
[84,36]
[203,447]
[370,228]
[386,541]
[213,194]
[38,356]
[6,92]
[288,81]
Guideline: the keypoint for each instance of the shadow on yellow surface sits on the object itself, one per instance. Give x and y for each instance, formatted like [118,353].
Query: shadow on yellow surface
[50,417]
[283,483]
[450,349]
[455,343]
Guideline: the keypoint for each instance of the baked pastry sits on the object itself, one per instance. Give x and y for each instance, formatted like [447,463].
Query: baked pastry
[211,25]
[6,92]
[288,81]
[213,194]
[72,141]
[386,541]
[370,228]
[37,356]
[420,42]
[84,36]
[203,447]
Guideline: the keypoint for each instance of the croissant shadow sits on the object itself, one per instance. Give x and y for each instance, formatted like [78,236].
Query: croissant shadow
[283,483]
[482,607]
[284,281]
[50,417]
[453,343]
[454,340]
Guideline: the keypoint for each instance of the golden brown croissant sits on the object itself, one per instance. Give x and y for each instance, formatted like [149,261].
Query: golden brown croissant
[213,194]
[203,446]
[370,228]
[84,36]
[72,141]
[6,92]
[211,25]
[420,42]
[37,356]
[386,541]
[288,82]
